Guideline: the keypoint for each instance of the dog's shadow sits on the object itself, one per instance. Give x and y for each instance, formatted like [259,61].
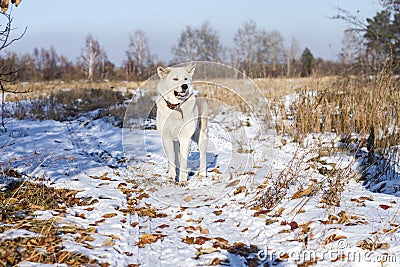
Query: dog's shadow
[194,162]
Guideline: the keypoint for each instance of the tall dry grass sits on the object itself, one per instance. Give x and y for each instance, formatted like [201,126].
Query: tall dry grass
[364,111]
[341,105]
[352,105]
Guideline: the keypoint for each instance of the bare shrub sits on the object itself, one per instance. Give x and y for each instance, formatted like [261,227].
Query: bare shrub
[275,189]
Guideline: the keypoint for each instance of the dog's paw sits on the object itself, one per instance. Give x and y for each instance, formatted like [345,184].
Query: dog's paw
[183,183]
[171,179]
[202,175]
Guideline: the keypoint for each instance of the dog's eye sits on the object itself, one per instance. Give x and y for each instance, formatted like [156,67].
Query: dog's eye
[185,79]
[175,79]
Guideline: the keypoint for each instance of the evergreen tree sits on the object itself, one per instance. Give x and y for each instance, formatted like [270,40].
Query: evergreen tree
[379,36]
[307,60]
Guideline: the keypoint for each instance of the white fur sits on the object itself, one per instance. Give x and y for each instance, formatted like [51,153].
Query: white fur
[190,122]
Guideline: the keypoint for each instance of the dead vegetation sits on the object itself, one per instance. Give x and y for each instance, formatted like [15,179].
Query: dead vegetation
[362,110]
[42,241]
[340,105]
[60,101]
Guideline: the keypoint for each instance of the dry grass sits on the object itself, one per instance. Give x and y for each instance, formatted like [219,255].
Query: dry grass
[19,202]
[275,189]
[363,111]
[329,180]
[59,101]
[341,105]
[44,88]
[276,88]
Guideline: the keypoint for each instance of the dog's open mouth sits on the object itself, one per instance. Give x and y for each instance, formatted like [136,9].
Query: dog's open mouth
[180,94]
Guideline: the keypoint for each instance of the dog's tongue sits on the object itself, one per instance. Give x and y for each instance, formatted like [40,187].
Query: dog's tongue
[182,94]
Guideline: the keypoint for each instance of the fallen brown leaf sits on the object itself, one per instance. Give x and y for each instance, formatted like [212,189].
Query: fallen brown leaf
[217,212]
[109,215]
[109,242]
[232,184]
[148,239]
[162,226]
[303,192]
[214,262]
[216,171]
[188,198]
[332,238]
[260,212]
[384,207]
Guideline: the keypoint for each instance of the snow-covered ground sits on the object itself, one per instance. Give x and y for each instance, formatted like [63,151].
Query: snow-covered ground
[264,206]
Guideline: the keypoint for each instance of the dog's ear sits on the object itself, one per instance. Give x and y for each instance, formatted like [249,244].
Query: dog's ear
[163,72]
[191,69]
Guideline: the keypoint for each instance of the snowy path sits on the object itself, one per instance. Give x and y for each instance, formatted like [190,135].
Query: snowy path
[139,220]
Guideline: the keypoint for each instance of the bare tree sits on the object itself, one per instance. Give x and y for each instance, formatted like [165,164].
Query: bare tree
[198,44]
[271,49]
[292,52]
[235,58]
[246,44]
[138,55]
[258,49]
[93,57]
[186,49]
[7,73]
[209,46]
[351,46]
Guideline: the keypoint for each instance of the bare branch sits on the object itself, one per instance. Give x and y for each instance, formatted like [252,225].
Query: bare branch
[357,25]
[5,34]
[5,41]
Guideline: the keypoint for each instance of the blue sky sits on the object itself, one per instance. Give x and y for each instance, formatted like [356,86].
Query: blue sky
[65,24]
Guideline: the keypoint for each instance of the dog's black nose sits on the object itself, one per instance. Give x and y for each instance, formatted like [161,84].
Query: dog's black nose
[184,86]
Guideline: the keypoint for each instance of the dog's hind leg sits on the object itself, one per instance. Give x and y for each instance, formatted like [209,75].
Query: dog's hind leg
[203,136]
[202,144]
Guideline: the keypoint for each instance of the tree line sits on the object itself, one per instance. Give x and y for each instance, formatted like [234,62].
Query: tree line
[255,51]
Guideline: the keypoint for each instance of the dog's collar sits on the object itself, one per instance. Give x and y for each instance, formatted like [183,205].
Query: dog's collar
[176,107]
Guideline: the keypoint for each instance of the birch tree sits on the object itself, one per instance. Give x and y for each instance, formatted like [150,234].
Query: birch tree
[139,57]
[93,58]
[198,44]
[351,47]
[291,53]
[258,49]
[247,43]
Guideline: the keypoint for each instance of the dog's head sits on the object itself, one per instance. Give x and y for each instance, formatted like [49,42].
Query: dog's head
[176,83]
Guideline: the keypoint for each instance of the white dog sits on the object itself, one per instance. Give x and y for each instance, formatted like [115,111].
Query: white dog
[180,118]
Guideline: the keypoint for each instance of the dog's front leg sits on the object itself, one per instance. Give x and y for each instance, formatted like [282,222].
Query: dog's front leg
[168,144]
[184,144]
